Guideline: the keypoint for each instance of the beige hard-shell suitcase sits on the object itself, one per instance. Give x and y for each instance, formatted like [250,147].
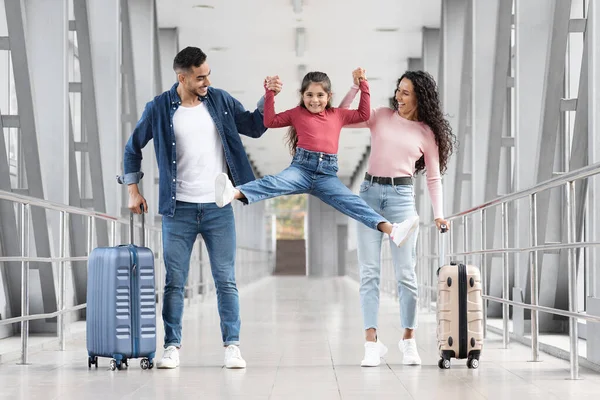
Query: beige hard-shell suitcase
[459,312]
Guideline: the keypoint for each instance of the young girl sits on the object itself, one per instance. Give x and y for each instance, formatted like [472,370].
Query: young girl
[313,139]
[405,139]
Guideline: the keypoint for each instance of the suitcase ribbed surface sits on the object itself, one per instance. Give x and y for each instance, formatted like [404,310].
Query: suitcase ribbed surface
[111,311]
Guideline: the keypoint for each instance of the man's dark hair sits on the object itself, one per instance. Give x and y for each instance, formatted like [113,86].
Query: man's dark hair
[188,57]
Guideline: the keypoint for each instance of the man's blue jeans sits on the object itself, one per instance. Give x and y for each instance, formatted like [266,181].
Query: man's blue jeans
[217,227]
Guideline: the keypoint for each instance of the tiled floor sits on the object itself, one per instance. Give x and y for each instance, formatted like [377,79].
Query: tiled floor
[302,339]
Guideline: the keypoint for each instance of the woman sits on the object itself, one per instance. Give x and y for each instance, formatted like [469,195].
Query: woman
[409,138]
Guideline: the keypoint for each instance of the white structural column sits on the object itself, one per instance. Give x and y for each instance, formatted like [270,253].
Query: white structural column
[168,43]
[322,238]
[10,275]
[430,55]
[47,46]
[143,35]
[594,137]
[105,43]
[42,294]
[485,32]
[593,277]
[463,168]
[450,70]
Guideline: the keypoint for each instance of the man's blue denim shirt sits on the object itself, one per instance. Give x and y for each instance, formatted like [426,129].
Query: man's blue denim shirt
[231,120]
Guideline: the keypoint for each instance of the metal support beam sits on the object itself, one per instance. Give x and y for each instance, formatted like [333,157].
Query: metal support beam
[464,131]
[128,94]
[11,121]
[451,67]
[496,130]
[533,20]
[593,211]
[9,238]
[77,234]
[579,158]
[594,148]
[553,87]
[47,39]
[156,52]
[144,49]
[4,43]
[552,273]
[168,39]
[415,64]
[15,17]
[430,55]
[90,116]
[430,51]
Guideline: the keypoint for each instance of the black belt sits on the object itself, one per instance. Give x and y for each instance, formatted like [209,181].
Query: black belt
[401,180]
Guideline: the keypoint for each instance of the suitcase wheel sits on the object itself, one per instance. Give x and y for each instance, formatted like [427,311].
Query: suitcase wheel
[146,363]
[92,361]
[116,364]
[444,363]
[472,363]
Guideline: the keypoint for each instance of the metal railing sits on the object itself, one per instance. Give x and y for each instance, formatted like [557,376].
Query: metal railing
[251,264]
[428,252]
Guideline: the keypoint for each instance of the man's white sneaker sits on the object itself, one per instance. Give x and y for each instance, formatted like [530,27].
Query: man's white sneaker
[224,190]
[170,358]
[233,357]
[411,354]
[373,353]
[403,230]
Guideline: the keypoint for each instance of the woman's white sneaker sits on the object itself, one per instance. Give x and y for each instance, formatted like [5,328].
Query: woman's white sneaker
[411,354]
[233,357]
[402,231]
[170,358]
[373,353]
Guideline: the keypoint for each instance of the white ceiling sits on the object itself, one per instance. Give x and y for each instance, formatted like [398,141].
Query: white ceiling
[247,40]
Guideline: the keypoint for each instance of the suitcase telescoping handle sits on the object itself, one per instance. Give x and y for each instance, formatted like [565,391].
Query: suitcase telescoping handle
[131,236]
[442,246]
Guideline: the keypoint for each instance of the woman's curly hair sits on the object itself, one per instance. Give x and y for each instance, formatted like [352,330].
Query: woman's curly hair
[429,112]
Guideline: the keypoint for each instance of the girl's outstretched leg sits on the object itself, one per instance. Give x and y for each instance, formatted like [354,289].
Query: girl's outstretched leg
[292,180]
[332,191]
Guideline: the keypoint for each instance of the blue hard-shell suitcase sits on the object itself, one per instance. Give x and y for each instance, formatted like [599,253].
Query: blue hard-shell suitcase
[121,307]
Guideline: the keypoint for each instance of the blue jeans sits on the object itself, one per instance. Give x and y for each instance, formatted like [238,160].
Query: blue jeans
[396,203]
[313,173]
[217,227]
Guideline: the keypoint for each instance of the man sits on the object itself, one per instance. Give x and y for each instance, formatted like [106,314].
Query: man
[196,130]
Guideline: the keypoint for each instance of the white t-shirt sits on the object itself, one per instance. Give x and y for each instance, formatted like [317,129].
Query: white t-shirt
[200,156]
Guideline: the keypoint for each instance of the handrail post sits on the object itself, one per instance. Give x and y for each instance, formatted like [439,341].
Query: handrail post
[62,280]
[450,243]
[465,236]
[483,269]
[505,277]
[90,238]
[113,233]
[428,270]
[572,281]
[25,212]
[533,277]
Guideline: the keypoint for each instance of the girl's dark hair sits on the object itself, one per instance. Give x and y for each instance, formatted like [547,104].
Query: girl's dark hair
[322,79]
[429,112]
